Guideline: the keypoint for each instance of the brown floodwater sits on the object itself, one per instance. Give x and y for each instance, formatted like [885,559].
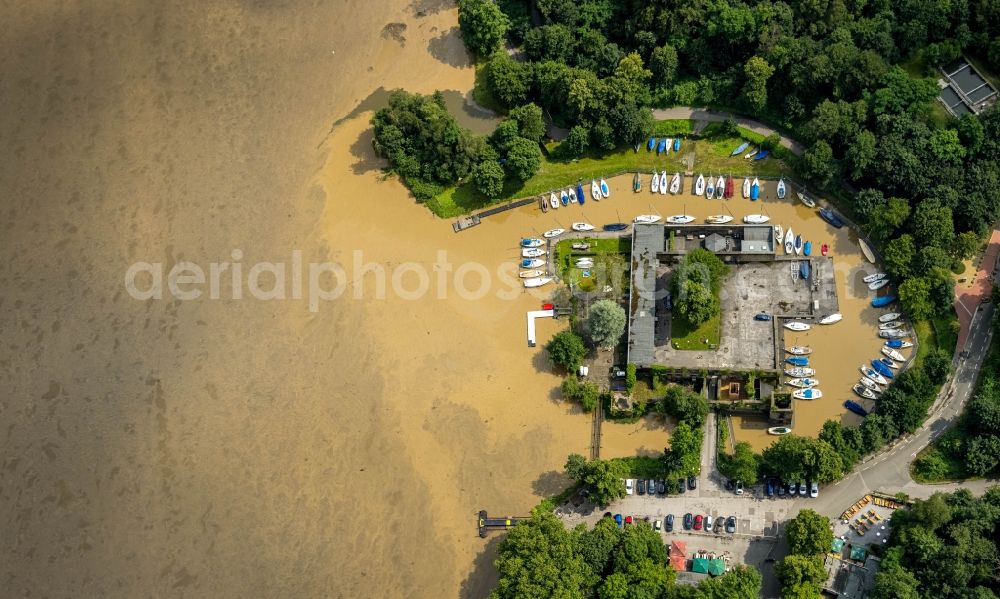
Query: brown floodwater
[238,447]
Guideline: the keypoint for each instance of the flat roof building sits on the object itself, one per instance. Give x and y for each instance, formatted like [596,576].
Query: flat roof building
[964,90]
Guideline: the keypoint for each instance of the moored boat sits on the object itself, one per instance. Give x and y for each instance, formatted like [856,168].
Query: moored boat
[551,233]
[579,194]
[572,195]
[762,155]
[710,188]
[677,144]
[660,147]
[876,285]
[756,219]
[531,274]
[651,144]
[882,368]
[890,316]
[781,189]
[532,242]
[805,199]
[803,383]
[778,430]
[553,200]
[675,183]
[807,248]
[581,246]
[699,185]
[831,318]
[605,190]
[892,354]
[778,235]
[795,325]
[654,185]
[755,189]
[532,252]
[885,300]
[595,189]
[864,391]
[720,188]
[647,218]
[798,244]
[873,375]
[893,334]
[797,360]
[810,393]
[532,263]
[867,382]
[875,276]
[824,249]
[543,203]
[855,407]
[789,242]
[537,282]
[892,324]
[751,154]
[670,144]
[718,219]
[680,219]
[867,251]
[799,350]
[564,197]
[898,344]
[663,182]
[746,187]
[729,187]
[800,371]
[582,227]
[804,269]
[831,217]
[615,227]
[890,363]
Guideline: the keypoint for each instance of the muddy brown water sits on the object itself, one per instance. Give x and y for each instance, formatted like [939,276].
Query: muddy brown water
[239,447]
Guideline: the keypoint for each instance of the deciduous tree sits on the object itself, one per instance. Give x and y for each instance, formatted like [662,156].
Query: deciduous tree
[606,322]
[567,350]
[483,25]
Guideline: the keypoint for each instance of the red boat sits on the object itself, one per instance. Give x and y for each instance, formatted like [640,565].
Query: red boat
[729,188]
[824,249]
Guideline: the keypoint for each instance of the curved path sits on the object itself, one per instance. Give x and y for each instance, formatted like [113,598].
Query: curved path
[703,114]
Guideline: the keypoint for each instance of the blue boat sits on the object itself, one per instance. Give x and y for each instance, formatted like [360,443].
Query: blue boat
[754,191]
[807,248]
[739,149]
[798,243]
[579,194]
[804,269]
[564,198]
[677,144]
[882,369]
[894,343]
[885,300]
[662,147]
[615,227]
[797,360]
[761,155]
[855,407]
[651,144]
[831,217]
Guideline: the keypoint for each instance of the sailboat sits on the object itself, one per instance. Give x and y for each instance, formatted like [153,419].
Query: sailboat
[720,188]
[677,144]
[663,183]
[552,233]
[803,383]
[718,219]
[595,190]
[647,218]
[789,242]
[746,187]
[798,245]
[699,185]
[806,199]
[651,144]
[867,251]
[572,195]
[729,187]
[532,252]
[781,189]
[778,430]
[778,232]
[876,285]
[710,189]
[755,189]
[636,183]
[892,354]
[864,391]
[669,144]
[553,200]
[661,146]
[756,219]
[800,371]
[739,149]
[579,194]
[889,317]
[543,203]
[605,190]
[807,248]
[750,155]
[530,274]
[532,263]
[564,197]
[680,219]
[582,227]
[799,350]
[807,394]
[875,276]
[532,242]
[675,183]
[795,325]
[867,382]
[537,282]
[831,318]
[654,185]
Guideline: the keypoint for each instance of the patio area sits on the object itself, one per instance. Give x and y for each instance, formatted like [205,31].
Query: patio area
[866,523]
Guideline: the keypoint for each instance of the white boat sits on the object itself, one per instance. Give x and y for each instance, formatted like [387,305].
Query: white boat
[804,383]
[800,371]
[564,197]
[605,190]
[831,318]
[876,285]
[532,252]
[551,233]
[582,227]
[867,251]
[781,189]
[799,350]
[746,187]
[553,200]
[531,274]
[778,234]
[867,382]
[663,183]
[532,263]
[675,183]
[807,394]
[903,344]
[778,430]
[647,218]
[888,326]
[892,334]
[889,317]
[870,373]
[581,246]
[595,189]
[537,282]
[756,219]
[875,276]
[699,185]
[720,188]
[805,199]
[680,219]
[585,264]
[864,392]
[670,145]
[795,325]
[710,189]
[892,354]
[531,242]
[572,195]
[718,219]
[654,185]
[751,153]
[789,242]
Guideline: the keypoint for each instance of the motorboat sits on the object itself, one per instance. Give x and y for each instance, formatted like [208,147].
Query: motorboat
[605,190]
[864,391]
[889,316]
[564,197]
[797,360]
[870,384]
[875,276]
[582,227]
[740,149]
[778,233]
[806,199]
[807,394]
[572,195]
[804,269]
[893,334]
[579,194]
[553,233]
[807,248]
[651,144]
[796,325]
[781,189]
[882,369]
[720,188]
[647,218]
[532,242]
[614,227]
[654,185]
[892,354]
[581,246]
[553,200]
[831,217]
[675,183]
[873,375]
[756,219]
[699,185]
[532,252]
[762,155]
[789,242]
[636,183]
[680,219]
[677,144]
[718,219]
[663,183]
[892,324]
[662,146]
[531,274]
[778,430]
[800,371]
[885,300]
[799,350]
[898,344]
[710,189]
[537,282]
[543,203]
[824,249]
[532,263]
[595,189]
[855,407]
[876,285]
[803,383]
[889,362]
[755,189]
[751,153]
[798,245]
[867,251]
[831,318]
[746,187]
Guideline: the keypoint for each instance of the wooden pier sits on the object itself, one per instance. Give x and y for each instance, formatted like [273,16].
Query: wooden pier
[467,222]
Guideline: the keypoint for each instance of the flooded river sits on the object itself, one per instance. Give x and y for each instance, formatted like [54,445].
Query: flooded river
[264,447]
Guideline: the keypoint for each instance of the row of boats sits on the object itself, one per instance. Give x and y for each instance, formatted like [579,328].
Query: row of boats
[599,190]
[879,374]
[758,154]
[712,188]
[662,145]
[806,386]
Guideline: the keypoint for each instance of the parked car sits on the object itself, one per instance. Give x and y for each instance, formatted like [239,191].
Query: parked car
[698,521]
[629,486]
[618,520]
[688,521]
[618,372]
[668,523]
[780,488]
[692,482]
[661,487]
[680,484]
[814,490]
[731,525]
[720,523]
[739,487]
[642,487]
[762,316]
[651,486]
[708,523]
[656,524]
[769,486]
[790,488]
[802,488]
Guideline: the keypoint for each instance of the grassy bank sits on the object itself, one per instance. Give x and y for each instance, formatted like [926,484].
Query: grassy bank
[935,333]
[687,337]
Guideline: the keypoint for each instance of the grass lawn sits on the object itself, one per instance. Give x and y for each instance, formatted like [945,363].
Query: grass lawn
[711,155]
[935,333]
[684,336]
[615,249]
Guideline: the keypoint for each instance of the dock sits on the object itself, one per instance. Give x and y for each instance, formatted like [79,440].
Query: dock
[467,222]
[486,523]
[531,323]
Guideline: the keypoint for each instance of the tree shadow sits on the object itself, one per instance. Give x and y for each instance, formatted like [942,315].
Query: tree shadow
[423,8]
[550,483]
[448,48]
[483,577]
[363,151]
